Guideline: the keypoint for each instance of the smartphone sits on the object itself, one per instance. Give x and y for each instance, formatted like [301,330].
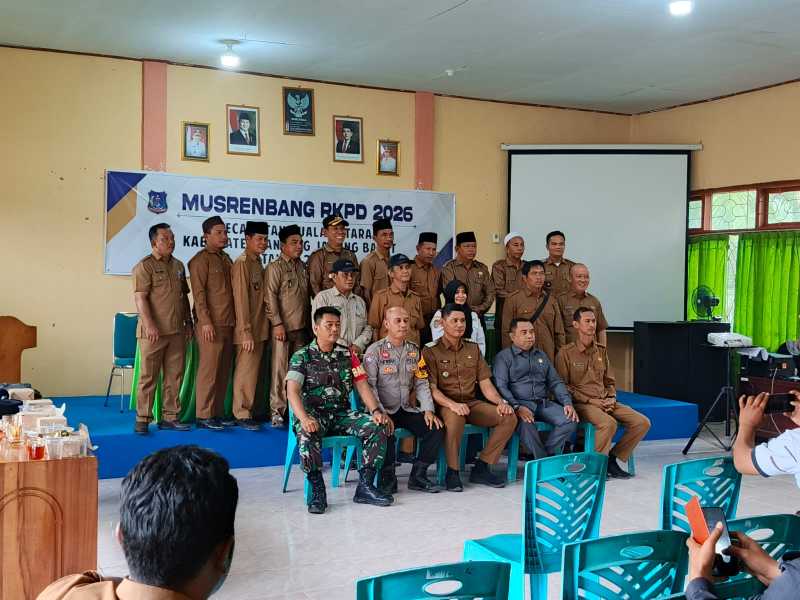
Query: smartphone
[725,564]
[779,403]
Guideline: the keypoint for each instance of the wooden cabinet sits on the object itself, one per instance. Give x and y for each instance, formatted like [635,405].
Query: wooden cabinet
[48,522]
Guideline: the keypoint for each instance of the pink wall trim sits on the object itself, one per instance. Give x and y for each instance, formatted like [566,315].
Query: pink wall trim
[154,116]
[423,140]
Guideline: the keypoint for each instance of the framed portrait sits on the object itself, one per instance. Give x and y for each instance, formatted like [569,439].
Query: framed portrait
[348,137]
[388,157]
[195,140]
[298,111]
[244,128]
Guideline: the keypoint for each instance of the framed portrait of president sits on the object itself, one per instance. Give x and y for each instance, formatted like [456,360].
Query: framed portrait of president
[244,127]
[298,111]
[348,138]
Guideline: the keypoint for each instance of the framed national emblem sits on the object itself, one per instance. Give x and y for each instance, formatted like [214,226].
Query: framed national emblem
[298,111]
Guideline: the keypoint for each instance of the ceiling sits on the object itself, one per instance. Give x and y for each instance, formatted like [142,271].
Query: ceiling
[625,56]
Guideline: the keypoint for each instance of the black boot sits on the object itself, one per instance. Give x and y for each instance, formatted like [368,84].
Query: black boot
[418,479]
[366,493]
[452,480]
[388,481]
[482,473]
[319,499]
[614,470]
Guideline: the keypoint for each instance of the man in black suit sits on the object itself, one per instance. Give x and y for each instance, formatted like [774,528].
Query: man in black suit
[244,136]
[348,145]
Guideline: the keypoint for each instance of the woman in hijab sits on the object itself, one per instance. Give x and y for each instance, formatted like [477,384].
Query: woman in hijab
[456,292]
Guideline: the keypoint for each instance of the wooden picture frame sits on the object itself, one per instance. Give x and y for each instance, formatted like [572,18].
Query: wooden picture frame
[388,159]
[240,141]
[191,148]
[349,149]
[298,111]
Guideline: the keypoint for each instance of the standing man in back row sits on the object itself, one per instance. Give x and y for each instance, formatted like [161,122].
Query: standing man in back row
[556,267]
[319,265]
[507,277]
[426,280]
[464,267]
[375,267]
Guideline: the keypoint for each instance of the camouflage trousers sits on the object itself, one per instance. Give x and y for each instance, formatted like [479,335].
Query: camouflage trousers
[373,438]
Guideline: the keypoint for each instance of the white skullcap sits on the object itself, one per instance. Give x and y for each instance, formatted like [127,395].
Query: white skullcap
[511,235]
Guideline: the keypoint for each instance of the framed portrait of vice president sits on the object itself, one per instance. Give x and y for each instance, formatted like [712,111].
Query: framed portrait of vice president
[348,138]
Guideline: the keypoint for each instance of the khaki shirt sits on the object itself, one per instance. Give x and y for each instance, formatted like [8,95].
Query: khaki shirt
[374,275]
[398,377]
[354,329]
[93,586]
[557,277]
[549,327]
[164,282]
[247,279]
[425,281]
[455,370]
[570,302]
[480,288]
[587,372]
[506,277]
[210,273]
[388,298]
[286,294]
[319,267]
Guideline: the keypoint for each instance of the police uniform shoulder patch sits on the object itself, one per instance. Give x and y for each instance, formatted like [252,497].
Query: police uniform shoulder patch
[431,344]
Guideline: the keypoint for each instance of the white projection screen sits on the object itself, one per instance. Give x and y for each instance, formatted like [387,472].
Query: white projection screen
[624,214]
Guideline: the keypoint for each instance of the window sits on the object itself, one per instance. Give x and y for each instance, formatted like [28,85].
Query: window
[733,210]
[696,213]
[783,206]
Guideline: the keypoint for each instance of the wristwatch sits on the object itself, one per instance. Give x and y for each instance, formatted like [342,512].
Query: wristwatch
[377,408]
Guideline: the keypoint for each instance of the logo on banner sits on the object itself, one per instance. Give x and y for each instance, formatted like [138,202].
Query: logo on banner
[157,203]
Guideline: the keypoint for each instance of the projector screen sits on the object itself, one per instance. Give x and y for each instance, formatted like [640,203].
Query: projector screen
[624,215]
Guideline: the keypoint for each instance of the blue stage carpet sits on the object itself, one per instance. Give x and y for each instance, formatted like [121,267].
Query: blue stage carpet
[119,448]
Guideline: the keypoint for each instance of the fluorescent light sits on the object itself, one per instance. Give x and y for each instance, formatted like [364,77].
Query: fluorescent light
[680,8]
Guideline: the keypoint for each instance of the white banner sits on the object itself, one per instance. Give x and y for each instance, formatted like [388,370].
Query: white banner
[136,200]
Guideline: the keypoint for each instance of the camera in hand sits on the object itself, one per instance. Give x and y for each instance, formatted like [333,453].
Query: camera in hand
[779,403]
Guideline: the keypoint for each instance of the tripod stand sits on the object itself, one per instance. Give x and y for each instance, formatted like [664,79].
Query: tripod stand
[727,394]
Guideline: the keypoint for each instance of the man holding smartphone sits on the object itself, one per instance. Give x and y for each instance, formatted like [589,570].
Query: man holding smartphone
[778,456]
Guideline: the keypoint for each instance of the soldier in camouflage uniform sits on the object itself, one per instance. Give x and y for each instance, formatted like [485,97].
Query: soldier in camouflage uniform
[318,384]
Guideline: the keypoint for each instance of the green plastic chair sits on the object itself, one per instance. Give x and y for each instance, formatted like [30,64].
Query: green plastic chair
[715,482]
[485,580]
[562,503]
[643,565]
[441,465]
[124,352]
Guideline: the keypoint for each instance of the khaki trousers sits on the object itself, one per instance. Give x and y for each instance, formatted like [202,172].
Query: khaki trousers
[281,353]
[213,373]
[482,414]
[245,380]
[168,355]
[635,423]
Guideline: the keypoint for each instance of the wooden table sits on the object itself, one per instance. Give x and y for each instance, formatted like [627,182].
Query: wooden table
[48,521]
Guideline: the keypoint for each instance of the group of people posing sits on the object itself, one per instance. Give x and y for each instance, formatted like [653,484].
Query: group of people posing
[380,327]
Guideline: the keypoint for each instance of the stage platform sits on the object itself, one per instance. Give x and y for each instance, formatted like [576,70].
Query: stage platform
[119,448]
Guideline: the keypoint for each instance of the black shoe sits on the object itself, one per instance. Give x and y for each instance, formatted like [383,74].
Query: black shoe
[248,424]
[140,427]
[319,499]
[614,470]
[452,481]
[174,425]
[387,483]
[418,479]
[405,458]
[482,473]
[213,423]
[366,493]
[226,422]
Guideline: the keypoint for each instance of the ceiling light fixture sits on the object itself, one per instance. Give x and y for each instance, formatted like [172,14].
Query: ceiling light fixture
[680,8]
[229,59]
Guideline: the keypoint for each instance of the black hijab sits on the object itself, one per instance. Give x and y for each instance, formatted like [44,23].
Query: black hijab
[450,296]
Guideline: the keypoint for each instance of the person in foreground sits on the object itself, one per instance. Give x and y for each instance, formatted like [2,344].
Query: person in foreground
[779,456]
[176,529]
[319,382]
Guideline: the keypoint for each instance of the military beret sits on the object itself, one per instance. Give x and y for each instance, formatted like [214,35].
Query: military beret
[344,266]
[428,236]
[210,222]
[398,259]
[465,237]
[254,227]
[333,220]
[285,232]
[381,224]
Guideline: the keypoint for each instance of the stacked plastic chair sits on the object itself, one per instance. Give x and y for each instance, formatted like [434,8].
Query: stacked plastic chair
[485,580]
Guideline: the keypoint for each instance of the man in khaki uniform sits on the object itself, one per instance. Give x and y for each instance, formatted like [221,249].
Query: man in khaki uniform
[375,267]
[354,333]
[210,272]
[397,294]
[555,265]
[288,307]
[252,325]
[165,325]
[506,276]
[425,280]
[319,264]
[464,267]
[584,367]
[456,368]
[534,301]
[576,297]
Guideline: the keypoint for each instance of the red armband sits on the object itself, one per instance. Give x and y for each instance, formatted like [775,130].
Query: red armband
[359,374]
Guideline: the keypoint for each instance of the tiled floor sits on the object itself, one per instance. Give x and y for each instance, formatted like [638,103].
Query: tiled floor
[283,552]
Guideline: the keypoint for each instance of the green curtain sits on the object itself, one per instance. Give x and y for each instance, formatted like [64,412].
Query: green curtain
[767,283]
[705,265]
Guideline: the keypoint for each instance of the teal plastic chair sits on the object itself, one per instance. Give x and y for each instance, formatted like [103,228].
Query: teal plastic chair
[124,352]
[644,565]
[562,503]
[441,465]
[713,480]
[486,580]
